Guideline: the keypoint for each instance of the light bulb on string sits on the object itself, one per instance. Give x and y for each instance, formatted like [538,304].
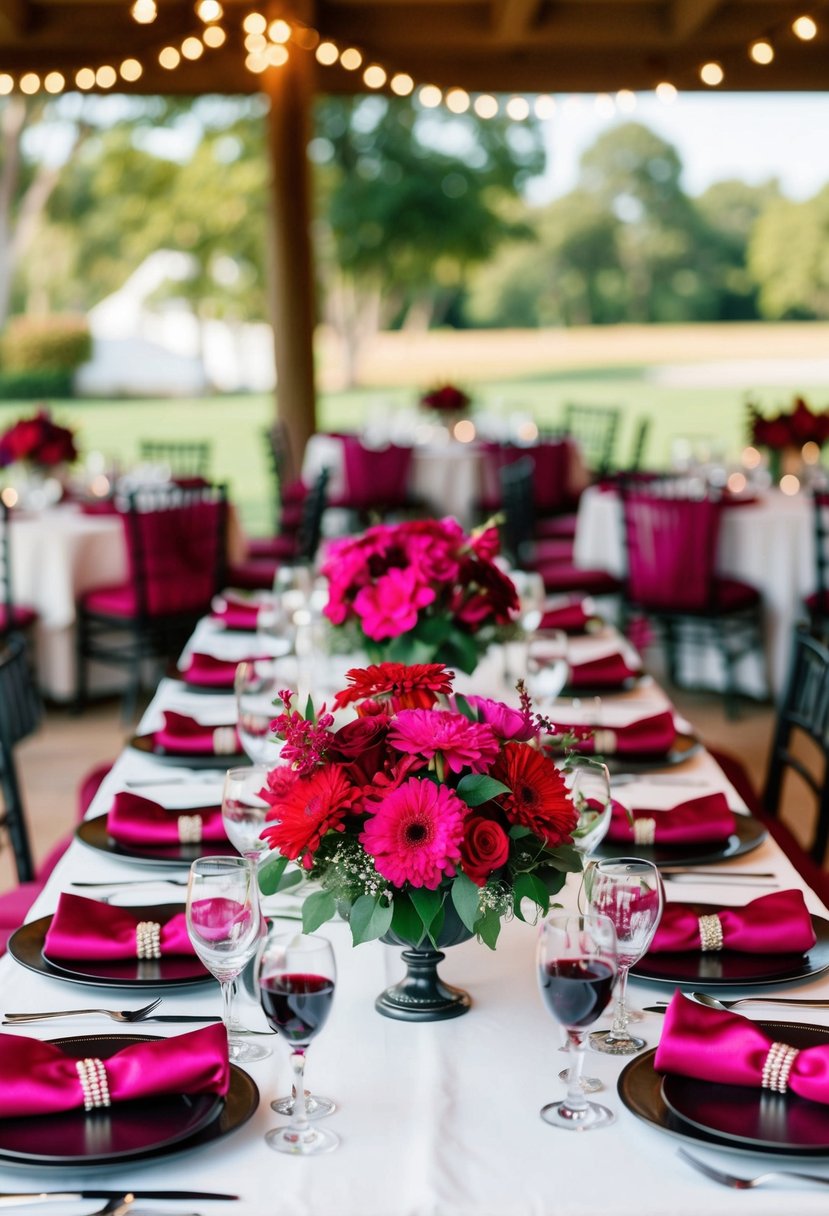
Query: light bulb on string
[761,52]
[144,12]
[804,28]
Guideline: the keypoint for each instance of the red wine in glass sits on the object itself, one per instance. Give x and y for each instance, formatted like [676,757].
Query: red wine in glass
[297,1006]
[576,991]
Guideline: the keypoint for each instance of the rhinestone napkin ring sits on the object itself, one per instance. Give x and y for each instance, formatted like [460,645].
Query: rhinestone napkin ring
[189,829]
[224,740]
[644,831]
[710,932]
[777,1066]
[93,1078]
[148,939]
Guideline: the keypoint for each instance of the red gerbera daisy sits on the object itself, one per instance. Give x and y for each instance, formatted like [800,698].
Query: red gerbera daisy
[413,686]
[311,807]
[538,797]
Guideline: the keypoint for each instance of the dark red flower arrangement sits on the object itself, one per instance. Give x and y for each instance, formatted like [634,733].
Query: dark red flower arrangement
[446,399]
[422,801]
[793,428]
[39,441]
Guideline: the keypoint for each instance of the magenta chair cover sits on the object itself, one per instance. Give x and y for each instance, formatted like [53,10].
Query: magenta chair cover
[179,554]
[671,547]
[551,471]
[375,475]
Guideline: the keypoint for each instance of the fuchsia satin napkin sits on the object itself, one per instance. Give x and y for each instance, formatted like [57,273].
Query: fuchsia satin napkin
[653,735]
[732,1050]
[38,1079]
[237,613]
[778,923]
[705,820]
[86,929]
[571,617]
[134,820]
[210,672]
[185,736]
[610,670]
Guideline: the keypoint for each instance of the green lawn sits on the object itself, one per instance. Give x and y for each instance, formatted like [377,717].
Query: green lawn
[235,424]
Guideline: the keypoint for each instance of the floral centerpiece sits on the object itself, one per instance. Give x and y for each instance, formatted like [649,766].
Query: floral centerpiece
[425,820]
[785,433]
[419,592]
[446,400]
[37,441]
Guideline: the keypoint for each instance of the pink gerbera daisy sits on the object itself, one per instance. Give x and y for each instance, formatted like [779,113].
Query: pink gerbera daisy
[461,743]
[415,834]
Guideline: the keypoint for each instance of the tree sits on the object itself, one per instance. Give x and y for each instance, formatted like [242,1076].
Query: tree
[729,211]
[788,256]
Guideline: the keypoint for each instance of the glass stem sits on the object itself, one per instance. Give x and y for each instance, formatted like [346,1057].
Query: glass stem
[228,993]
[575,1099]
[299,1116]
[620,1016]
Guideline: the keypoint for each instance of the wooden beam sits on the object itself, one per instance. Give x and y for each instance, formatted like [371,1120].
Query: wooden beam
[512,20]
[688,16]
[14,17]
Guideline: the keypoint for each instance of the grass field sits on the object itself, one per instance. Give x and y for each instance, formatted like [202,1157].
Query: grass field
[536,372]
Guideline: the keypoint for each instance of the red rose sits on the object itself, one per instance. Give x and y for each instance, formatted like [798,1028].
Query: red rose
[485,848]
[360,747]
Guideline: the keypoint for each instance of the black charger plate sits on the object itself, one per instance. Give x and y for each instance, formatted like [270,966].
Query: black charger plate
[127,1131]
[749,833]
[147,745]
[93,833]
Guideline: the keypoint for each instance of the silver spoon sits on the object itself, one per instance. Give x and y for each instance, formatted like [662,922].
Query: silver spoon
[713,1002]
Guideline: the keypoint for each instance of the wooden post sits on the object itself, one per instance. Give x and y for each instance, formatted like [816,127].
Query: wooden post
[291,278]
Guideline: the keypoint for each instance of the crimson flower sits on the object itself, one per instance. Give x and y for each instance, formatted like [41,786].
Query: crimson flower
[429,732]
[485,848]
[407,687]
[538,797]
[415,834]
[311,807]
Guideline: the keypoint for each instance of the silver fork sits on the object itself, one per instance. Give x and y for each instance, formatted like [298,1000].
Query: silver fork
[117,1015]
[745,1184]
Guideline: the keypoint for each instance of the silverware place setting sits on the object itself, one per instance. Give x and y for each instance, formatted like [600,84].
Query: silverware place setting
[738,1183]
[145,1014]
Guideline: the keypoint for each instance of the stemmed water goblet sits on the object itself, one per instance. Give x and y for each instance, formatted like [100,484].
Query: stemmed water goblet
[225,926]
[548,666]
[244,809]
[297,974]
[257,685]
[629,891]
[576,966]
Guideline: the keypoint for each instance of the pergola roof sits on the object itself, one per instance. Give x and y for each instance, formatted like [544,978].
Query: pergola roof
[526,46]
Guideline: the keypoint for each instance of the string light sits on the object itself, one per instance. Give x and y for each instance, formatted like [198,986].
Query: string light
[374,77]
[254,23]
[485,106]
[131,70]
[169,58]
[458,101]
[106,77]
[214,36]
[326,53]
[85,78]
[544,106]
[518,109]
[257,62]
[401,84]
[255,43]
[29,83]
[192,48]
[430,96]
[761,51]
[711,74]
[277,55]
[279,30]
[209,10]
[6,84]
[626,100]
[666,92]
[804,28]
[351,59]
[144,12]
[54,82]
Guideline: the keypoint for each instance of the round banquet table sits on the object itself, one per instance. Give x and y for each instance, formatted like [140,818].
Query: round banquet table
[768,544]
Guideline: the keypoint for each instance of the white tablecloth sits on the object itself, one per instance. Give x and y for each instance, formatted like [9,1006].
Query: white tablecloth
[56,556]
[768,544]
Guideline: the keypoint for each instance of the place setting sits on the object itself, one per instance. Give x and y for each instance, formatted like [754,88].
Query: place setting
[199,740]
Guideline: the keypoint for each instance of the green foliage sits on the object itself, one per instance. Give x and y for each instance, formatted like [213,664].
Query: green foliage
[45,344]
[34,386]
[789,257]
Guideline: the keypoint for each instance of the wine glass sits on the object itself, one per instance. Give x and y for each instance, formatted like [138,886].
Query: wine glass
[576,961]
[548,666]
[257,685]
[297,975]
[225,927]
[244,809]
[630,892]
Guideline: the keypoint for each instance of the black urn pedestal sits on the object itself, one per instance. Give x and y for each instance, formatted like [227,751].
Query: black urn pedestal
[422,996]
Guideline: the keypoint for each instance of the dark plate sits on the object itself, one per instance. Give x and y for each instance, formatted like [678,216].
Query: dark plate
[640,1088]
[600,689]
[727,968]
[147,746]
[128,1131]
[93,833]
[174,673]
[748,835]
[26,946]
[682,749]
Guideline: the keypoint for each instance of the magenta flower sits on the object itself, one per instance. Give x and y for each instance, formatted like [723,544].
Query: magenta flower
[461,743]
[507,723]
[390,606]
[415,834]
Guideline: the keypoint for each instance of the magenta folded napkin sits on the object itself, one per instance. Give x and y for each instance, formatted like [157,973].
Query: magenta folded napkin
[705,820]
[39,1079]
[86,929]
[133,820]
[184,736]
[571,617]
[715,1045]
[236,613]
[209,672]
[778,923]
[609,671]
[652,735]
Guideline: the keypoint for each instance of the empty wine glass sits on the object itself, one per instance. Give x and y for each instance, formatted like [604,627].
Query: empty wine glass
[629,891]
[297,976]
[225,926]
[589,784]
[576,966]
[548,667]
[244,809]
[257,685]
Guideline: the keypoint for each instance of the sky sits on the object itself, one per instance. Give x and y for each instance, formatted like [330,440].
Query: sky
[752,136]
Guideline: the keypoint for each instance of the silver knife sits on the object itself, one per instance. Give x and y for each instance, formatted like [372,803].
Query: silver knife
[18,1019]
[9,1199]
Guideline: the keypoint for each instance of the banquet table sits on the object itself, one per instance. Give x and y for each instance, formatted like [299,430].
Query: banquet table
[436,1119]
[768,543]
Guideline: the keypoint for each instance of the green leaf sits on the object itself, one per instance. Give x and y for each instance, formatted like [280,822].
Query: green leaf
[463,707]
[433,629]
[465,897]
[529,886]
[291,879]
[517,831]
[427,904]
[436,926]
[565,857]
[553,879]
[465,650]
[405,921]
[409,649]
[310,712]
[270,873]
[477,788]
[317,909]
[370,918]
[488,928]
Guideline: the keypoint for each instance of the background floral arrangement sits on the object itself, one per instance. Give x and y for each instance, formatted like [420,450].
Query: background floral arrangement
[420,592]
[446,399]
[412,806]
[788,429]
[38,441]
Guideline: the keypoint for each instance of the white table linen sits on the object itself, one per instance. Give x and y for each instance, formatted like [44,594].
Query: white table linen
[437,1119]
